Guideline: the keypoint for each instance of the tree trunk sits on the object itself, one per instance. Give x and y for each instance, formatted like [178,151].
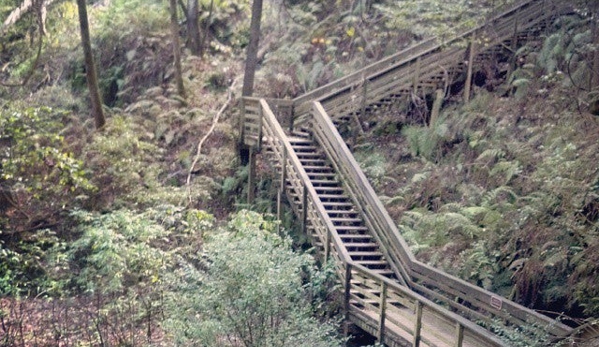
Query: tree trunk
[176,48]
[193,27]
[90,67]
[206,29]
[595,65]
[251,61]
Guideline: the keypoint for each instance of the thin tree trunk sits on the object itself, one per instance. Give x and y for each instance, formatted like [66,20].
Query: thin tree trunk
[206,29]
[176,48]
[251,61]
[90,67]
[193,27]
[595,66]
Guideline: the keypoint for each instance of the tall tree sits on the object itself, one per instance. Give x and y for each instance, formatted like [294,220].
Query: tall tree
[90,67]
[176,47]
[193,27]
[251,61]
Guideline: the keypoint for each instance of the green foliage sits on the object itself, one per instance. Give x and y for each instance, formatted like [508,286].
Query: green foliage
[426,18]
[22,265]
[121,17]
[250,289]
[507,197]
[525,335]
[116,251]
[426,142]
[37,167]
[373,165]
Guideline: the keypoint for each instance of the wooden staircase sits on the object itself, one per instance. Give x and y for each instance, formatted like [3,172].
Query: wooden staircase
[348,223]
[388,292]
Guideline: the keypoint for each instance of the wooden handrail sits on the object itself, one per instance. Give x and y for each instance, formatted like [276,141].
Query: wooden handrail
[393,290]
[361,192]
[525,13]
[420,277]
[270,121]
[418,284]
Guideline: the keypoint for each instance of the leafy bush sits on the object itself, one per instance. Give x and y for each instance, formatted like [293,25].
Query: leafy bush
[250,289]
[39,172]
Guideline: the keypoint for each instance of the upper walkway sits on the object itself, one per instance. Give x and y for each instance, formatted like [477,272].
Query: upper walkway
[388,292]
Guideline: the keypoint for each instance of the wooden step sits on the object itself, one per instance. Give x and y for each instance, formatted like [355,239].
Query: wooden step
[348,204]
[313,161]
[357,246]
[346,220]
[328,189]
[304,149]
[336,197]
[321,174]
[297,140]
[319,183]
[355,238]
[344,229]
[365,254]
[373,263]
[312,168]
[302,155]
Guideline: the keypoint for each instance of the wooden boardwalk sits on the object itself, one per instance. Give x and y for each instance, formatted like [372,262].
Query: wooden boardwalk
[388,293]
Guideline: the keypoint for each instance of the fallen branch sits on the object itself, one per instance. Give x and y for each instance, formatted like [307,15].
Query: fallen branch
[210,131]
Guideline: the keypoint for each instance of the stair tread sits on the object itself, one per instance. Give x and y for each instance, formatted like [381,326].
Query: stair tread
[355,236]
[351,228]
[364,254]
[338,204]
[372,262]
[361,244]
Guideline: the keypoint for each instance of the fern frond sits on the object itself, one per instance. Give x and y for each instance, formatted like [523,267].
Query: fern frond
[491,198]
[491,153]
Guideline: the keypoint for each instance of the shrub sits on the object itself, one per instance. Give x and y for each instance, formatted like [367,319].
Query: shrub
[250,290]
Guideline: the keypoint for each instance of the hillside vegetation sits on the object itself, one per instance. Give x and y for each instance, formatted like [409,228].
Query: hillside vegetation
[135,234]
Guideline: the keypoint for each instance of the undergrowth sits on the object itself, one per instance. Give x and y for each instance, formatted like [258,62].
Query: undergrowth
[503,191]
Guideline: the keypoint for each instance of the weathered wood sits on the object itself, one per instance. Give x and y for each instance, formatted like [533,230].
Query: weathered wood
[382,311]
[471,55]
[459,335]
[439,96]
[251,176]
[418,325]
[387,309]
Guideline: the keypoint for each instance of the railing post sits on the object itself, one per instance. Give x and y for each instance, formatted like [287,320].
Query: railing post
[305,209]
[347,290]
[459,332]
[416,79]
[364,96]
[251,175]
[513,48]
[327,245]
[260,122]
[242,122]
[468,85]
[383,311]
[417,325]
[282,186]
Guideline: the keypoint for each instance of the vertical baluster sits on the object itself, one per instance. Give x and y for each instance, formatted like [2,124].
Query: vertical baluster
[305,209]
[282,186]
[468,85]
[459,332]
[251,175]
[383,311]
[260,121]
[327,245]
[416,79]
[347,296]
[417,325]
[242,122]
